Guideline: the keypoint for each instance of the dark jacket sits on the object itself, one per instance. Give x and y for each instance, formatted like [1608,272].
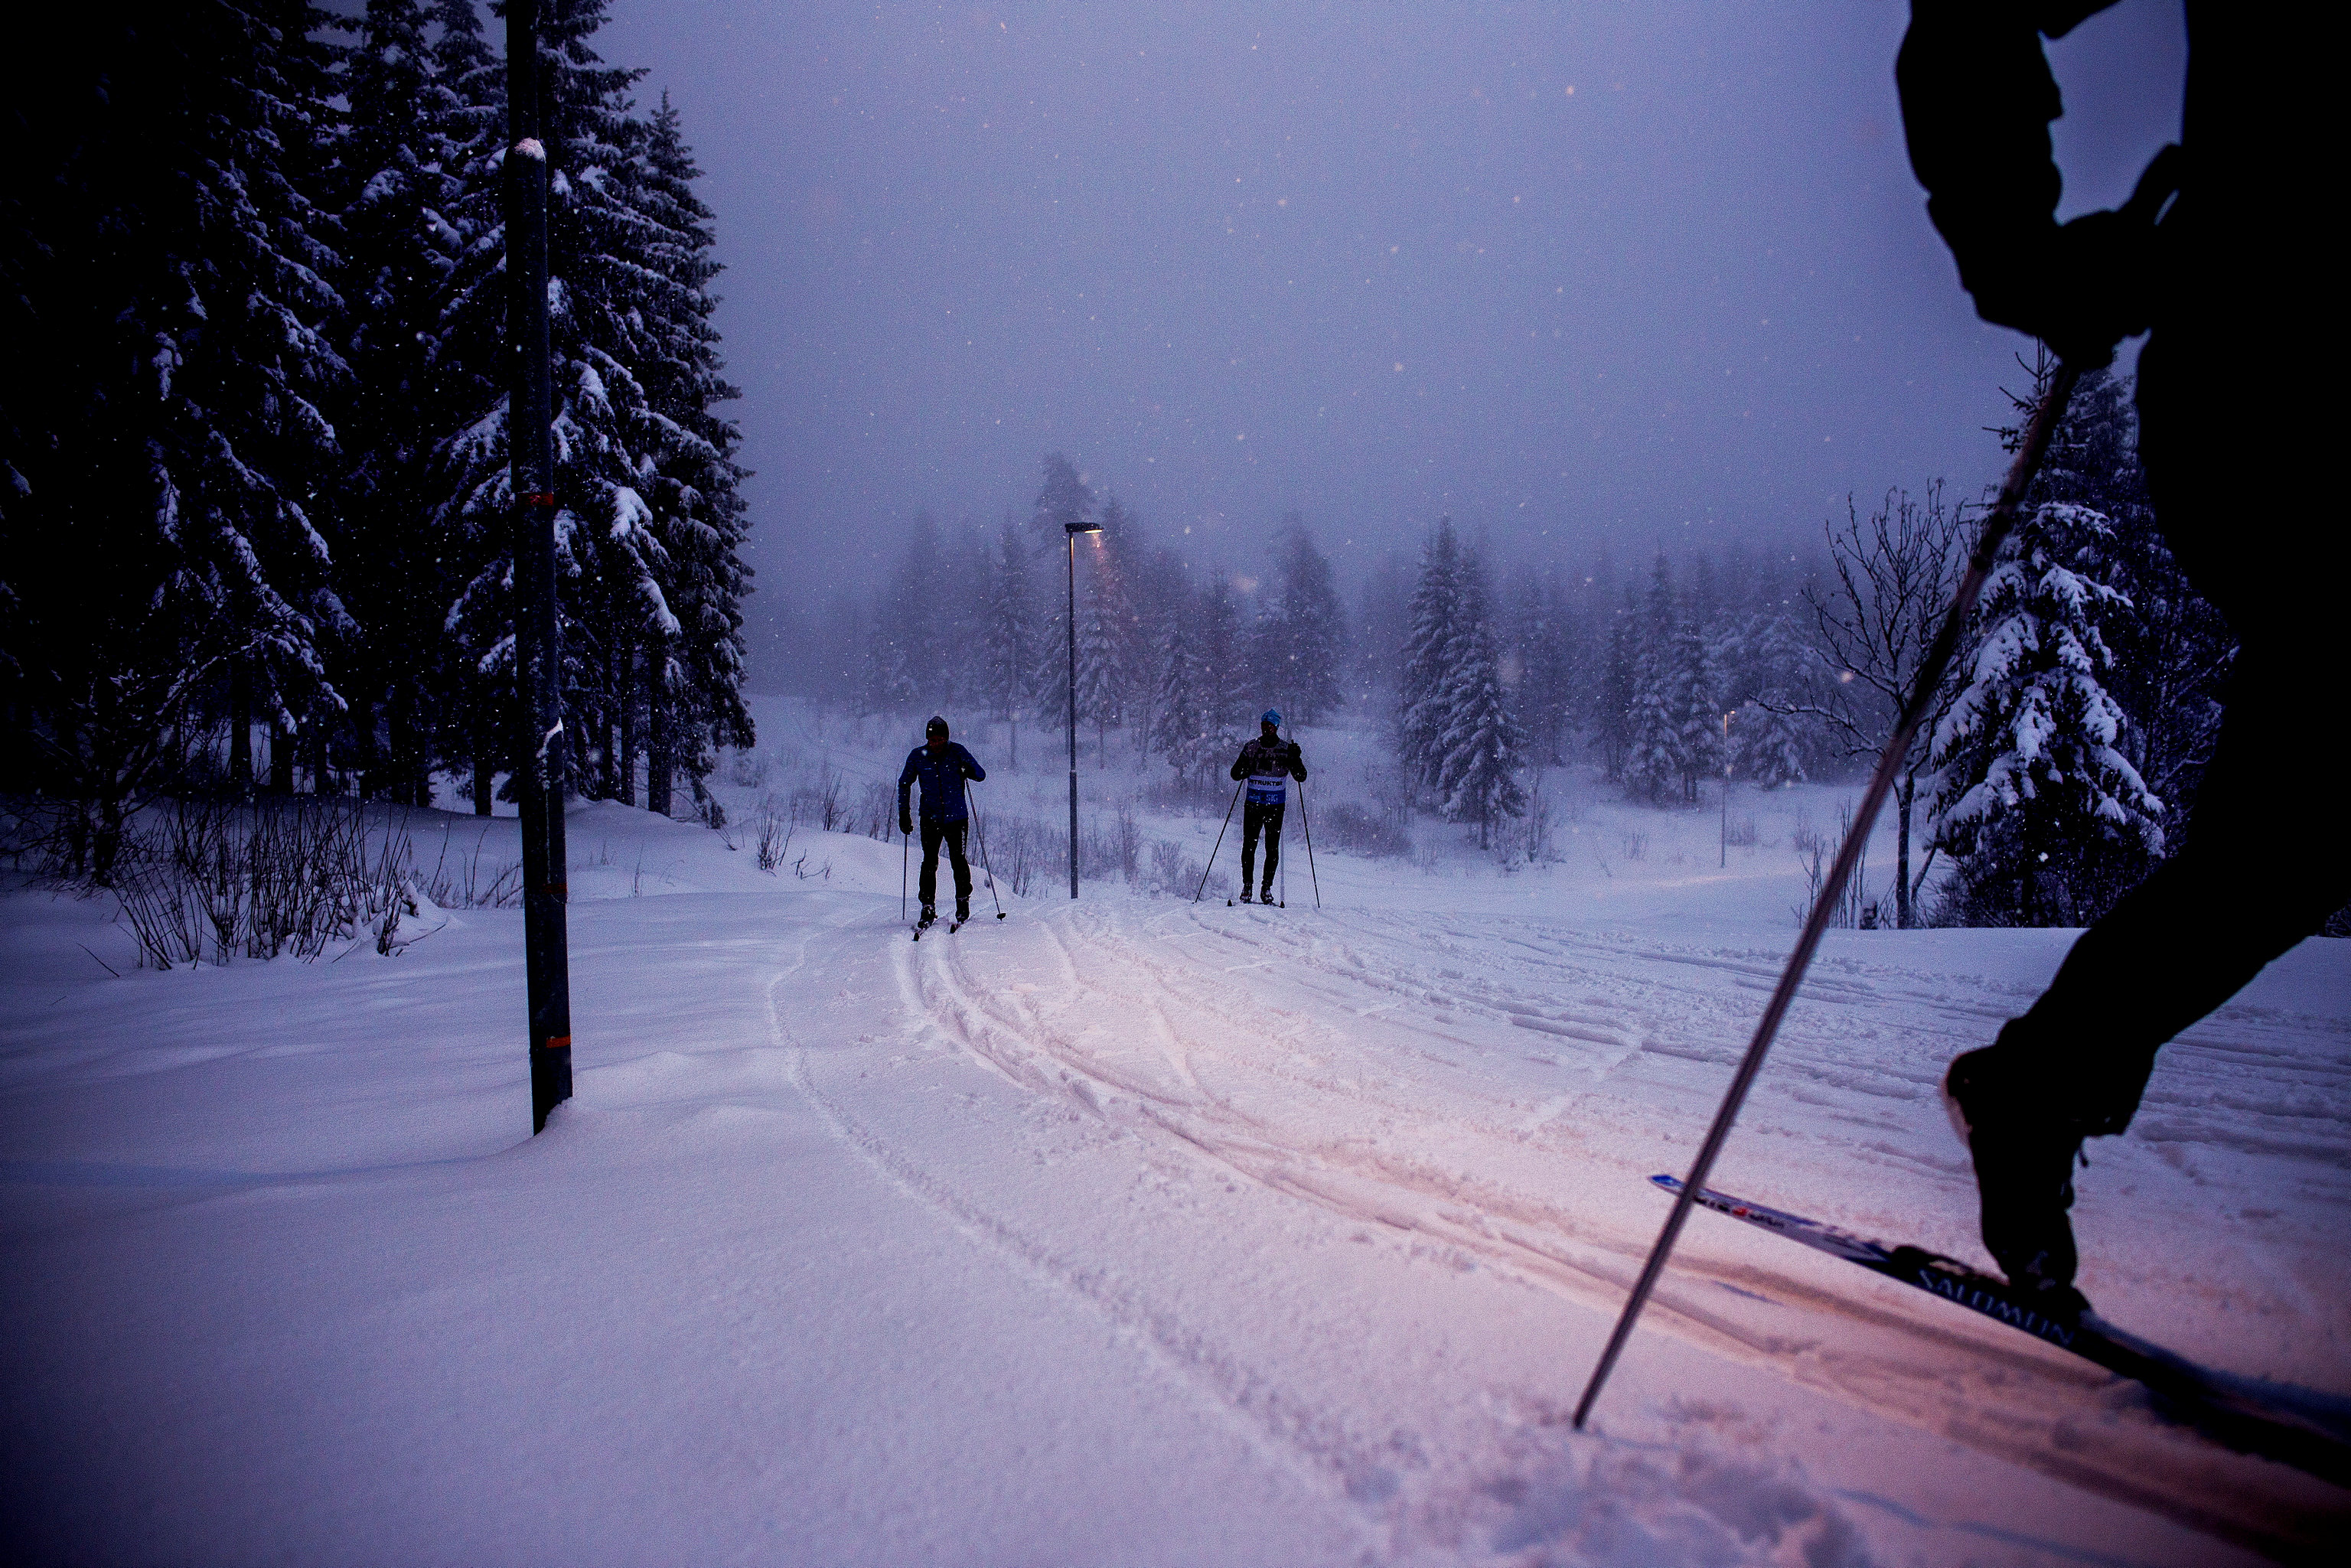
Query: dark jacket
[1265,763]
[941,773]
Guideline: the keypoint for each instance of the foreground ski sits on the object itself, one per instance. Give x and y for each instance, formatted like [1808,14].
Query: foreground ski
[2299,1427]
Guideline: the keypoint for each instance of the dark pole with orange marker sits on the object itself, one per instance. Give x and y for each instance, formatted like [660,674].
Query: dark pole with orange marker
[539,649]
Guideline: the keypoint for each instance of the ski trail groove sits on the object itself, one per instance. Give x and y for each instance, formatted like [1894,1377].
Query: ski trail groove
[1304,1110]
[1284,1431]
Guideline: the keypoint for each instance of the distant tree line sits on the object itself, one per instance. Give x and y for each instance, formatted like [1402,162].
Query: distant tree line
[2067,740]
[253,448]
[1179,665]
[2060,764]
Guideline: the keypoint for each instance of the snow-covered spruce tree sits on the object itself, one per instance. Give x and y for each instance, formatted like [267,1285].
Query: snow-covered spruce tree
[469,483]
[2172,650]
[1159,595]
[1697,693]
[1228,686]
[613,312]
[168,272]
[690,663]
[1543,647]
[1180,732]
[908,657]
[1612,699]
[1654,760]
[406,136]
[1769,745]
[1105,637]
[1383,626]
[1302,637]
[1435,624]
[1483,746]
[1007,655]
[2047,822]
[1062,499]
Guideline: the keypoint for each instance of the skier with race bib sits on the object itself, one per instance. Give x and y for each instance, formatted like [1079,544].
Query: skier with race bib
[940,766]
[1268,763]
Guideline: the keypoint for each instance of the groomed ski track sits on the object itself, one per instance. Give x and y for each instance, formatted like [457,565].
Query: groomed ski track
[1127,1231]
[1375,1066]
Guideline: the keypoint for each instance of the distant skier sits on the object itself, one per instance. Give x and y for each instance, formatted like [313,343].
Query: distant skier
[941,765]
[1268,763]
[2238,282]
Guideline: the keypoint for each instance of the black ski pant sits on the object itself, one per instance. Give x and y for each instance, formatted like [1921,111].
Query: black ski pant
[1257,818]
[935,833]
[2232,459]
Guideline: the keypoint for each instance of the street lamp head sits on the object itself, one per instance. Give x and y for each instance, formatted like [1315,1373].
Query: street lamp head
[1074,528]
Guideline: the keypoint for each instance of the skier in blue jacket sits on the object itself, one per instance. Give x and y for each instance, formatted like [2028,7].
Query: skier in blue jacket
[940,766]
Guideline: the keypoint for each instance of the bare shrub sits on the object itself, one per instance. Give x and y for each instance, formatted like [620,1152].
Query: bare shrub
[877,809]
[210,880]
[1190,792]
[1635,845]
[466,882]
[1347,826]
[825,803]
[707,809]
[1815,854]
[1529,839]
[1016,852]
[771,834]
[1128,844]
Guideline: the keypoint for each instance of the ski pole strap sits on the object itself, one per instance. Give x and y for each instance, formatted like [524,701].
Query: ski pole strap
[1988,538]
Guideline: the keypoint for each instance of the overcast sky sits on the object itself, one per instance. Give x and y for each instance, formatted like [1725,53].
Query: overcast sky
[1639,272]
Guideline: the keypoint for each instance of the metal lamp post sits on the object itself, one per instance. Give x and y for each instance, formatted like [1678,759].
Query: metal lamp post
[1070,538]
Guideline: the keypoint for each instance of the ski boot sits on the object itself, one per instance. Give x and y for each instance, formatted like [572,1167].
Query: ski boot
[1265,894]
[2024,1151]
[963,910]
[1245,893]
[930,917]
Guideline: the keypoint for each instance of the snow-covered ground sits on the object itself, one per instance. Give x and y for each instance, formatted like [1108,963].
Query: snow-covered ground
[1121,1231]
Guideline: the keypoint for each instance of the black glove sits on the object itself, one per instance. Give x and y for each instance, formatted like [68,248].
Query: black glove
[905,823]
[2081,288]
[2085,285]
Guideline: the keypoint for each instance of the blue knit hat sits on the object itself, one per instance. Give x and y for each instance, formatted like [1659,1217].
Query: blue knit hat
[1271,716]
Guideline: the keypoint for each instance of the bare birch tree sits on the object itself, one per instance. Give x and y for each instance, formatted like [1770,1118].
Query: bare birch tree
[1896,572]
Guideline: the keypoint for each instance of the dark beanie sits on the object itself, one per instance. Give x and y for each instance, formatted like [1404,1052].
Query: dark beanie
[938,727]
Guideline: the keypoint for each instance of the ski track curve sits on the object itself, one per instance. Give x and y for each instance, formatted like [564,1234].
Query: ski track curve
[1283,1436]
[1349,1062]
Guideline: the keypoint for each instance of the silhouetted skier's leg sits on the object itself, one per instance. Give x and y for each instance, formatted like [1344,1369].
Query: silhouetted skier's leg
[2239,892]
